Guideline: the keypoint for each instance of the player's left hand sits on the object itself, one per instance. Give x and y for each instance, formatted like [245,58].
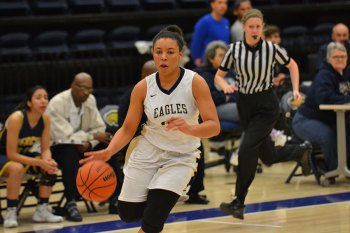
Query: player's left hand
[177,123]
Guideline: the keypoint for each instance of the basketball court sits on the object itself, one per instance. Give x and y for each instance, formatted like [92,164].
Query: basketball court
[272,206]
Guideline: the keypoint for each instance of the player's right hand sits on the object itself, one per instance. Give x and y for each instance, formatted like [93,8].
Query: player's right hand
[95,155]
[49,165]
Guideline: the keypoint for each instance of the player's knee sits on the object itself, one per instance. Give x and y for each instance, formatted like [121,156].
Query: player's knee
[131,211]
[47,179]
[160,203]
[15,169]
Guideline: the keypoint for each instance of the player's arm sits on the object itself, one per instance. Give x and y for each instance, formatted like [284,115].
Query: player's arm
[126,132]
[210,125]
[45,138]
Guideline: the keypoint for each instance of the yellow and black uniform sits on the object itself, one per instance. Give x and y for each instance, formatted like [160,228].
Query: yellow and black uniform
[27,138]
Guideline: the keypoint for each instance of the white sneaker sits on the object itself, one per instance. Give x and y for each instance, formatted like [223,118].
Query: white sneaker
[183,198]
[10,219]
[234,158]
[43,214]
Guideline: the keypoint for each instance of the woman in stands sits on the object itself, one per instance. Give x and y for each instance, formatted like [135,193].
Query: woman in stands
[331,86]
[24,130]
[225,103]
[253,60]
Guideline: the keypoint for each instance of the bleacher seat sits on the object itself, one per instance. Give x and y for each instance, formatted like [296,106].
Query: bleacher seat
[14,8]
[51,45]
[14,47]
[185,4]
[294,40]
[150,32]
[320,1]
[122,5]
[88,43]
[8,103]
[48,7]
[158,4]
[123,38]
[86,6]
[320,35]
[291,2]
[262,2]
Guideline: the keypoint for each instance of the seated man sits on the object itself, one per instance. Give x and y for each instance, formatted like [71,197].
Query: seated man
[77,127]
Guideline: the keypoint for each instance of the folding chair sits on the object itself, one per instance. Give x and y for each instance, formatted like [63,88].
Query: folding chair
[230,133]
[316,155]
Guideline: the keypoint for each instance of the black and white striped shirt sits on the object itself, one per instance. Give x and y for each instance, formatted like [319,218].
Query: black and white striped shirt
[254,66]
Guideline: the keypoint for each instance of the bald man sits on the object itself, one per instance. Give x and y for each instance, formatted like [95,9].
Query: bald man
[340,33]
[77,127]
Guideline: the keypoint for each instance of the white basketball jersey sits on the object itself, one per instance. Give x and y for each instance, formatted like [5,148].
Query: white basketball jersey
[161,104]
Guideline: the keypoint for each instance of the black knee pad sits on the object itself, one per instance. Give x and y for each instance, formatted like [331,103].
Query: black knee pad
[47,179]
[131,211]
[159,204]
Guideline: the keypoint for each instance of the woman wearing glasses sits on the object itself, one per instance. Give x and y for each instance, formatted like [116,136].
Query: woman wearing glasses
[331,86]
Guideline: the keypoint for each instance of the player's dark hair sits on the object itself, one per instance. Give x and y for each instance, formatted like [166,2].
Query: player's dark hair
[269,30]
[173,32]
[29,94]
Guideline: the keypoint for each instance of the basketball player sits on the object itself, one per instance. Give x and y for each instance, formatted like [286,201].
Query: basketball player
[24,129]
[253,60]
[164,159]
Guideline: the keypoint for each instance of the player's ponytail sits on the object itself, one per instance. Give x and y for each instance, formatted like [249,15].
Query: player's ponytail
[173,32]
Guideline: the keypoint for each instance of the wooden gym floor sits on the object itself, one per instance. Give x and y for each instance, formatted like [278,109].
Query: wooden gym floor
[272,206]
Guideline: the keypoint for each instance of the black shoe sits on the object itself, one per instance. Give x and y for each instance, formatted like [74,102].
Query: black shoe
[328,181]
[305,160]
[235,208]
[1,219]
[197,199]
[113,209]
[73,213]
[113,206]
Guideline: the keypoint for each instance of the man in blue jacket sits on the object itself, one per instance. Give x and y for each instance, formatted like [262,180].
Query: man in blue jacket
[210,27]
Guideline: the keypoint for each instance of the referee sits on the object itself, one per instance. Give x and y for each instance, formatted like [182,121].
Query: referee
[253,61]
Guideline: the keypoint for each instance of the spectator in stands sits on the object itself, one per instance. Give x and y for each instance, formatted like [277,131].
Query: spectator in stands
[239,9]
[25,148]
[210,27]
[281,80]
[77,127]
[225,103]
[331,86]
[340,33]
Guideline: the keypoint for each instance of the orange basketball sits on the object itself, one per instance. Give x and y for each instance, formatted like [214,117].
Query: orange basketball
[96,181]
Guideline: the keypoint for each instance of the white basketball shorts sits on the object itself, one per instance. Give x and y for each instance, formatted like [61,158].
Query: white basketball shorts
[152,168]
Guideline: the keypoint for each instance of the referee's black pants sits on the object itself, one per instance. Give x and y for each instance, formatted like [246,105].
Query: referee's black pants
[258,113]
